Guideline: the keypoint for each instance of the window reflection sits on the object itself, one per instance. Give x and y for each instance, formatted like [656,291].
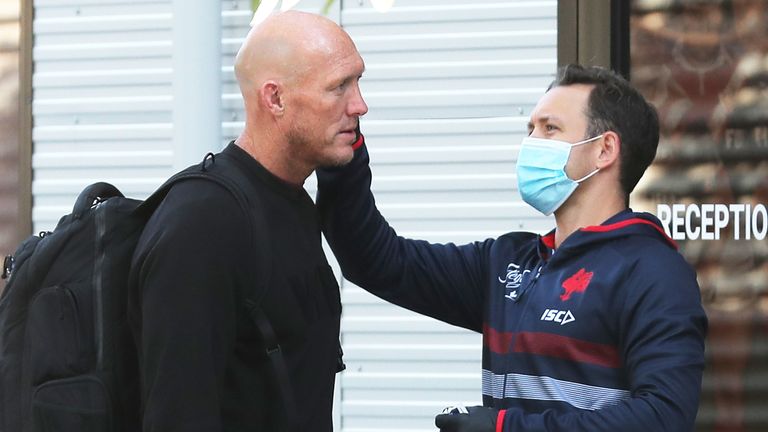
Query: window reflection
[704,64]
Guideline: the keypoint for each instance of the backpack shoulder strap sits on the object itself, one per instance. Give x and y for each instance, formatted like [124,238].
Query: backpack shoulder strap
[243,190]
[223,178]
[218,169]
[276,360]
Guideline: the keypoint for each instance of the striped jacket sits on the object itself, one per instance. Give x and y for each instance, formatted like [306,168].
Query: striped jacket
[606,333]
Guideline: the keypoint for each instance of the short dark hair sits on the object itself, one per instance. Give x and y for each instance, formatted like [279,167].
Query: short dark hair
[614,105]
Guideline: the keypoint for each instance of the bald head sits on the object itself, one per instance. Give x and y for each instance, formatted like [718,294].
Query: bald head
[299,75]
[285,47]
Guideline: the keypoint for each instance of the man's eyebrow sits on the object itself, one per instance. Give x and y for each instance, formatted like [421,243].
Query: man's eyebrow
[549,117]
[540,119]
[545,118]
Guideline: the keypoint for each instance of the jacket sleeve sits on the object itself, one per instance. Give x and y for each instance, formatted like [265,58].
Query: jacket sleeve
[187,282]
[443,281]
[663,328]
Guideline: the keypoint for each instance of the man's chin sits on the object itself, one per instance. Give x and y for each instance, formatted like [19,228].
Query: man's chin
[339,160]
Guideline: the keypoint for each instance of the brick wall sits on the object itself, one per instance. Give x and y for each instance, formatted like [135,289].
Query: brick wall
[9,124]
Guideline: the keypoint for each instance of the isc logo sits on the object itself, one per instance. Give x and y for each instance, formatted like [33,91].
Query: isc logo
[558,316]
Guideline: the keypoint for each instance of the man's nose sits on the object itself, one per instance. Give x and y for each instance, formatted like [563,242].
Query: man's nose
[357,106]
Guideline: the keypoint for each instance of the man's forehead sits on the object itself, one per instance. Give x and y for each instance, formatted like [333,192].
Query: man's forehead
[562,103]
[345,62]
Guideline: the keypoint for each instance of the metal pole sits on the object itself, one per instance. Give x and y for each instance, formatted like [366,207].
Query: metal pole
[196,80]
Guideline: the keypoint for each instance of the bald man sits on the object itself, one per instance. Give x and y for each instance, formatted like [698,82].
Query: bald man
[203,362]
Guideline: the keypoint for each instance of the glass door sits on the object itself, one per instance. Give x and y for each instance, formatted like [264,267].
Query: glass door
[704,64]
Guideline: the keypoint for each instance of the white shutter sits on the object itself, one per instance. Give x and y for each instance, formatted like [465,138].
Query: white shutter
[450,85]
[236,16]
[101,100]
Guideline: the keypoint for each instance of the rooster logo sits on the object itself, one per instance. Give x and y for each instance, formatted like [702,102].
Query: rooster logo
[576,283]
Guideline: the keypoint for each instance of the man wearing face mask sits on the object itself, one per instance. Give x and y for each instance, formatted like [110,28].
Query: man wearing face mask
[595,326]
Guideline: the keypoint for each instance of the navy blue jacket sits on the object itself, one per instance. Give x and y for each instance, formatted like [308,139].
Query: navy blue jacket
[604,334]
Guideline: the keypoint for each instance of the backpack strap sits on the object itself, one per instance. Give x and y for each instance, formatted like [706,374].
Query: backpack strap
[249,203]
[276,360]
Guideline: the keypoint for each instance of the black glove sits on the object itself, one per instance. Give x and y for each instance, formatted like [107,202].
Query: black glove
[471,419]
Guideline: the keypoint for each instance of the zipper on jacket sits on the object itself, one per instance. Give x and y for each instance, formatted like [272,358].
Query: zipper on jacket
[508,363]
[545,255]
[101,229]
[529,286]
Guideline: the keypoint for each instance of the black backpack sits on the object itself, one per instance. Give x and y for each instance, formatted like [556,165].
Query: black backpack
[68,362]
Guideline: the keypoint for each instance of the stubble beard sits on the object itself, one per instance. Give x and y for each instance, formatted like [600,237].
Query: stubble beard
[302,146]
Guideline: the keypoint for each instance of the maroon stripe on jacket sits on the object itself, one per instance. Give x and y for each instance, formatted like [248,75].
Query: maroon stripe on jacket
[552,345]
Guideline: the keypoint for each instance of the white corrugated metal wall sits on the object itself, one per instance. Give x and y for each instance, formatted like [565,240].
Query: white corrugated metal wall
[101,99]
[449,85]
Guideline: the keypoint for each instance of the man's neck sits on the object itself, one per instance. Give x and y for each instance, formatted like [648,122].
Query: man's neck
[274,160]
[584,211]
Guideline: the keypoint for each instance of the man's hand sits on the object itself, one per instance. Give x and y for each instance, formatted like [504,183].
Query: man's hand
[471,419]
[359,138]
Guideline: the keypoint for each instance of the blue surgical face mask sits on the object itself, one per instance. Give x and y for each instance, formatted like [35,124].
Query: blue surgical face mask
[541,176]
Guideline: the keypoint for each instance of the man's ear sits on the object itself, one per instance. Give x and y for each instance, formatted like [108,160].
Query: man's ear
[610,150]
[272,98]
